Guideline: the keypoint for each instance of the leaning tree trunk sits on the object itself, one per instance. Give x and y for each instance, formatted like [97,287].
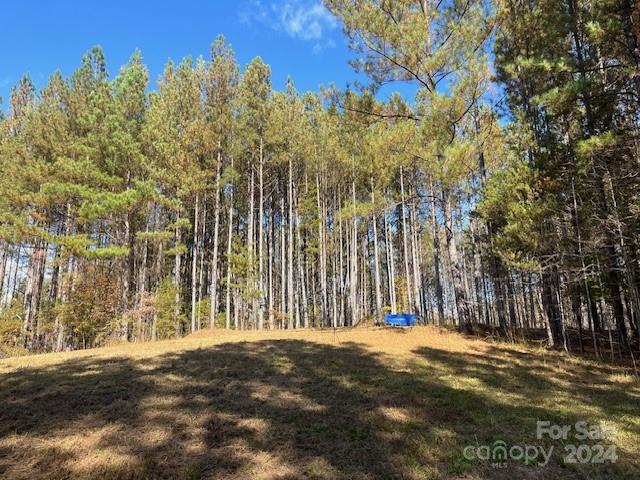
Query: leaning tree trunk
[551,310]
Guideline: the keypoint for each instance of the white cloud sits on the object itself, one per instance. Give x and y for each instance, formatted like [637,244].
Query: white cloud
[253,11]
[305,21]
[300,19]
[320,47]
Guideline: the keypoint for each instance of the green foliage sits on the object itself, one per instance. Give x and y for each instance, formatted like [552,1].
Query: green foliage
[166,310]
[203,309]
[229,176]
[179,249]
[519,215]
[11,324]
[243,270]
[596,144]
[123,187]
[91,307]
[402,294]
[107,252]
[182,223]
[221,319]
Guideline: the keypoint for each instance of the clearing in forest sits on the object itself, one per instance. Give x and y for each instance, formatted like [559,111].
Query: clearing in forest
[351,404]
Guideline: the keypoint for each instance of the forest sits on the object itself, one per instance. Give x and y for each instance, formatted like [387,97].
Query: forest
[502,199]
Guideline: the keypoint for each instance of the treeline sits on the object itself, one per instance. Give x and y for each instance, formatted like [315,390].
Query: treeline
[568,204]
[507,204]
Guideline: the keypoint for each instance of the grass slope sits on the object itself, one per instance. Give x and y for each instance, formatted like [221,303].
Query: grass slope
[355,404]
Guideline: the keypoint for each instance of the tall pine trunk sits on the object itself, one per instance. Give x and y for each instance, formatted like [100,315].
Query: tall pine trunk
[437,255]
[194,263]
[376,259]
[461,299]
[213,288]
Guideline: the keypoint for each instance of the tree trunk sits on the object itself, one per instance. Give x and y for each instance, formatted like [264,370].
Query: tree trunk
[415,262]
[214,256]
[35,277]
[176,282]
[436,256]
[290,297]
[551,310]
[229,245]
[464,315]
[283,264]
[390,265]
[353,260]
[194,263]
[376,260]
[405,253]
[322,241]
[262,299]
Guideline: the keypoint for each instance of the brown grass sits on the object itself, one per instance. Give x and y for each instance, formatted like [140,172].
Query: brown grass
[352,404]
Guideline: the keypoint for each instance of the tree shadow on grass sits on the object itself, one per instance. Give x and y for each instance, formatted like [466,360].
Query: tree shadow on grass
[524,387]
[537,375]
[285,409]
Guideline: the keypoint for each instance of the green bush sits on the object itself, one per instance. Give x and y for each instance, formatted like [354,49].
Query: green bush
[11,331]
[203,308]
[168,323]
[11,324]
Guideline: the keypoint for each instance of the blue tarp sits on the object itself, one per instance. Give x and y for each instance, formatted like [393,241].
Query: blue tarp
[400,319]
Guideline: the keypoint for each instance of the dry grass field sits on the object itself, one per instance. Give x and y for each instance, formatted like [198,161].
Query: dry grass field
[352,404]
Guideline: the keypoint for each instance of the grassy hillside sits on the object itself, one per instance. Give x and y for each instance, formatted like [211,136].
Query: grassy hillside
[352,404]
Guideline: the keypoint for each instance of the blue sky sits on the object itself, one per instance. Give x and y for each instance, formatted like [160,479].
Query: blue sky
[296,37]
